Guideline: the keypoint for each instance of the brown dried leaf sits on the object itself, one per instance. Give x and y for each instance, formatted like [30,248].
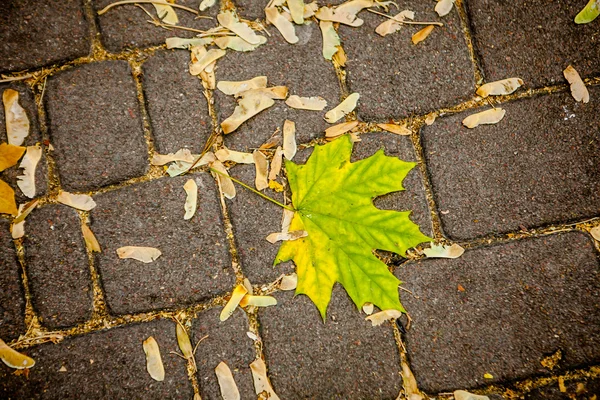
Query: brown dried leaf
[26,182]
[578,89]
[10,155]
[340,129]
[229,390]
[154,364]
[166,14]
[331,40]
[262,166]
[397,129]
[236,296]
[276,164]
[238,157]
[289,139]
[382,316]
[13,358]
[17,123]
[232,88]
[225,183]
[422,34]
[248,106]
[492,116]
[443,7]
[91,243]
[191,199]
[261,381]
[441,251]
[230,21]
[392,25]
[8,204]
[306,103]
[283,25]
[342,109]
[498,88]
[79,201]
[339,58]
[143,254]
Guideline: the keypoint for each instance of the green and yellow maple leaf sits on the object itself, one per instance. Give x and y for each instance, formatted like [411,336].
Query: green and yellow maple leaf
[589,13]
[333,199]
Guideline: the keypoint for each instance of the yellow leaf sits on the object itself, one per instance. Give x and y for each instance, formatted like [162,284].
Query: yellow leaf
[236,296]
[10,155]
[488,376]
[7,199]
[166,14]
[276,186]
[422,34]
[13,358]
[154,363]
[184,342]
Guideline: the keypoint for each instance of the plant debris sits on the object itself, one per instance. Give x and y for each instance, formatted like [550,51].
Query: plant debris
[382,316]
[578,89]
[306,103]
[422,34]
[26,182]
[492,116]
[397,129]
[13,358]
[442,251]
[8,205]
[340,129]
[262,166]
[288,282]
[225,183]
[342,109]
[289,139]
[17,123]
[236,296]
[331,40]
[79,201]
[191,191]
[283,25]
[393,25]
[498,88]
[464,395]
[225,154]
[10,155]
[443,7]
[154,364]
[261,381]
[143,254]
[91,243]
[229,389]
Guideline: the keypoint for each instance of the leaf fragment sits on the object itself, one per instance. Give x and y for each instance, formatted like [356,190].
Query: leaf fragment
[464,395]
[154,364]
[179,167]
[589,13]
[207,59]
[17,123]
[275,92]
[10,155]
[27,209]
[236,296]
[233,88]
[276,163]
[442,251]
[296,10]
[422,34]
[501,87]
[331,15]
[91,243]
[443,7]
[248,106]
[595,232]
[396,129]
[393,25]
[166,14]
[289,282]
[380,317]
[578,89]
[229,389]
[262,166]
[26,182]
[79,201]
[191,198]
[430,119]
[238,157]
[310,9]
[139,253]
[13,358]
[8,204]
[258,301]
[342,109]
[331,40]
[306,103]
[183,340]
[180,155]
[230,21]
[261,380]
[237,43]
[410,383]
[185,43]
[283,25]
[225,183]
[486,117]
[368,308]
[286,236]
[206,4]
[340,129]
[289,139]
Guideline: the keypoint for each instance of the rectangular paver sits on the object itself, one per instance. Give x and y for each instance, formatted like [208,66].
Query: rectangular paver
[95,125]
[503,309]
[57,266]
[537,166]
[104,365]
[195,263]
[12,301]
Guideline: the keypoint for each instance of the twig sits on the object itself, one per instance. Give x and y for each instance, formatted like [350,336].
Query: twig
[120,3]
[196,346]
[183,28]
[404,21]
[177,354]
[16,78]
[43,90]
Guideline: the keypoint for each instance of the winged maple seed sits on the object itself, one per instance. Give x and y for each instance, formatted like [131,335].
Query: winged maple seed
[154,364]
[17,123]
[492,116]
[229,389]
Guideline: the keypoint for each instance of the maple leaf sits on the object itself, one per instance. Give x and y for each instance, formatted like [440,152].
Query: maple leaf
[333,199]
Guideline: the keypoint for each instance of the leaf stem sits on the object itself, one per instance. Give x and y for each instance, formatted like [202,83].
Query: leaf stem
[162,2]
[404,21]
[264,196]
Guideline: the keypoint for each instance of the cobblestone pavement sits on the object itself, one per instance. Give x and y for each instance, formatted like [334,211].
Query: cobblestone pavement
[516,316]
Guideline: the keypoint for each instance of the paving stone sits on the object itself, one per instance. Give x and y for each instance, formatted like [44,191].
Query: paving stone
[227,341]
[182,121]
[27,101]
[39,33]
[522,301]
[108,145]
[125,27]
[538,166]
[396,78]
[300,67]
[57,266]
[195,263]
[535,40]
[12,303]
[104,365]
[343,358]
[575,390]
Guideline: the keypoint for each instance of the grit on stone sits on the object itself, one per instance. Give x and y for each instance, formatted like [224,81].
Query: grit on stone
[104,365]
[108,145]
[37,33]
[57,266]
[182,121]
[223,341]
[12,301]
[395,78]
[534,40]
[195,263]
[341,358]
[537,166]
[520,302]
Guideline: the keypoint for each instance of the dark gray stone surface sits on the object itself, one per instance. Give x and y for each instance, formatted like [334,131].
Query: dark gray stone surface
[343,358]
[195,263]
[522,301]
[95,125]
[105,365]
[537,166]
[12,302]
[176,104]
[57,266]
[535,40]
[396,78]
[42,32]
[227,341]
[125,27]
[282,64]
[27,101]
[575,390]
